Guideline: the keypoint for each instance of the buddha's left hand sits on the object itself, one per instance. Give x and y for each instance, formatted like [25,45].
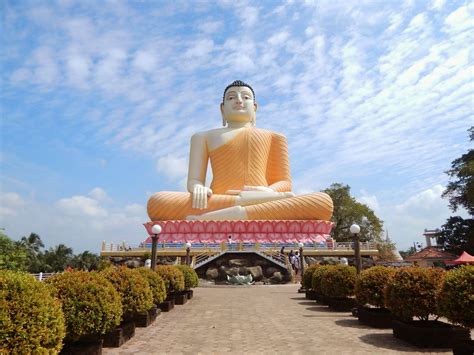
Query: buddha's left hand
[258,188]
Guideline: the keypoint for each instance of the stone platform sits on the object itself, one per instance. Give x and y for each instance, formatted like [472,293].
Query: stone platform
[264,231]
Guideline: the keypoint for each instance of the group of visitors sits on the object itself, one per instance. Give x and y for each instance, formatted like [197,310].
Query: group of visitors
[294,260]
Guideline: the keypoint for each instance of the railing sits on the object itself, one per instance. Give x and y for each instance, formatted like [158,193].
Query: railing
[43,275]
[237,246]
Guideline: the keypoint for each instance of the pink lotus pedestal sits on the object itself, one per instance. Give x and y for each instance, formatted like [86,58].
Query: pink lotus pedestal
[280,231]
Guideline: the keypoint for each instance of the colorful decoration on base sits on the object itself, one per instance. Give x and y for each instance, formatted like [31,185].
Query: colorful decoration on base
[279,231]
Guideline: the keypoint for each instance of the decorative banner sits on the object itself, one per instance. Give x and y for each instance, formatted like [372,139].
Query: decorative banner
[291,231]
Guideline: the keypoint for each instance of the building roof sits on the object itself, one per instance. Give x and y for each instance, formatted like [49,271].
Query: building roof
[431,253]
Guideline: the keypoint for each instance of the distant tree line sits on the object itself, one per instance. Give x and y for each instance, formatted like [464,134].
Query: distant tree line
[28,254]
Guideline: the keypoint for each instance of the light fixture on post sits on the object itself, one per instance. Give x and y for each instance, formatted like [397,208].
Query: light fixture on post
[301,245]
[156,229]
[188,249]
[355,230]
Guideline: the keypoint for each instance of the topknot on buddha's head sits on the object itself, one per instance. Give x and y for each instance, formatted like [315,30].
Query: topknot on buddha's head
[238,83]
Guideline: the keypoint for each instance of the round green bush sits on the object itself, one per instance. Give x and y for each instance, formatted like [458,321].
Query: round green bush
[191,278]
[308,276]
[90,303]
[338,281]
[157,285]
[318,274]
[31,319]
[411,292]
[370,285]
[132,287]
[172,276]
[456,296]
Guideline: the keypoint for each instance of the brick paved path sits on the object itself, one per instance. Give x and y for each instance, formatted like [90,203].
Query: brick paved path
[260,319]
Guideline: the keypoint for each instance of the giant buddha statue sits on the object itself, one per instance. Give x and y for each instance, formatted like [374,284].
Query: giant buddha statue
[250,169]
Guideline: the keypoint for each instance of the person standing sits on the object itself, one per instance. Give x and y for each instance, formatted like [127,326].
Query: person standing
[296,264]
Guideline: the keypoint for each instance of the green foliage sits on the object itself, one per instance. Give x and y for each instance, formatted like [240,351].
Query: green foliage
[172,276]
[408,252]
[191,278]
[33,245]
[411,292]
[132,287]
[157,285]
[370,285]
[456,296]
[308,276]
[57,259]
[318,275]
[87,261]
[90,303]
[31,319]
[457,235]
[460,192]
[338,281]
[12,255]
[347,211]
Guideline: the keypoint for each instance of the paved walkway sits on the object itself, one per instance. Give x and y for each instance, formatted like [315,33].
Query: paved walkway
[260,320]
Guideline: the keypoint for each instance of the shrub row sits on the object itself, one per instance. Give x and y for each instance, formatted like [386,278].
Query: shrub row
[408,292]
[36,316]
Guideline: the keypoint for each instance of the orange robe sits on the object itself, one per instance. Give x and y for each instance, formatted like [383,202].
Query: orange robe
[255,157]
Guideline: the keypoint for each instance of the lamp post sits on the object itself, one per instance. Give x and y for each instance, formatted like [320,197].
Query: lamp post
[156,229]
[301,245]
[188,249]
[355,230]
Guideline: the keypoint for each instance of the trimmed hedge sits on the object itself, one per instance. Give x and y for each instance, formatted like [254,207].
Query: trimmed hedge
[318,275]
[157,285]
[191,278]
[338,281]
[307,281]
[132,287]
[411,292]
[456,296]
[31,319]
[90,303]
[172,276]
[370,285]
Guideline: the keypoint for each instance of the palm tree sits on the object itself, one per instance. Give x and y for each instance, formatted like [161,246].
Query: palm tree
[58,258]
[32,242]
[33,245]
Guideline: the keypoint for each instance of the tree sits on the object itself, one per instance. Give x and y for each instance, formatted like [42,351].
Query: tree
[33,245]
[86,261]
[348,211]
[58,258]
[408,252]
[13,256]
[460,192]
[457,235]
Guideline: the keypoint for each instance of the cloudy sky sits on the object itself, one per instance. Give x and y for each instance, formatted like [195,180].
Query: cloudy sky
[99,100]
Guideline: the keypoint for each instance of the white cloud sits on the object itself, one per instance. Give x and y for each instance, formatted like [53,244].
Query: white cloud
[10,204]
[437,4]
[369,200]
[82,206]
[171,166]
[460,19]
[98,194]
[210,26]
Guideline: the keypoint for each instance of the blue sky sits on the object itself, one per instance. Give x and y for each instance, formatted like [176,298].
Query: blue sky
[100,98]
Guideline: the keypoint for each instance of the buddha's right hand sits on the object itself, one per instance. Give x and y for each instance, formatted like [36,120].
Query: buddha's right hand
[200,195]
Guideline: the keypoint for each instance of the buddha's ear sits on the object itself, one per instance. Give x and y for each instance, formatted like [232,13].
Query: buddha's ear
[255,106]
[222,109]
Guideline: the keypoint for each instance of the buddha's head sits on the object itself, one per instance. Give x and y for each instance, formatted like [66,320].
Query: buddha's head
[238,103]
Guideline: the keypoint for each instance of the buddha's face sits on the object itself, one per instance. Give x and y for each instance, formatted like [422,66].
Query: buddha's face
[238,105]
